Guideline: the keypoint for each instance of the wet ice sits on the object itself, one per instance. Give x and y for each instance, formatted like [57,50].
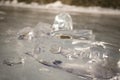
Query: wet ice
[77,47]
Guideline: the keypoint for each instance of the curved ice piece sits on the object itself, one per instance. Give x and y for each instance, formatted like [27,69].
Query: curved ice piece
[63,21]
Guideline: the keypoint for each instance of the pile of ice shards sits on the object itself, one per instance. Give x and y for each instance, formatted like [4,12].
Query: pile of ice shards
[61,39]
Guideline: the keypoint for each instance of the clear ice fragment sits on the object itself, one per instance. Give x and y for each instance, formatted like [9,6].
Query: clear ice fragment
[13,61]
[63,21]
[42,29]
[26,34]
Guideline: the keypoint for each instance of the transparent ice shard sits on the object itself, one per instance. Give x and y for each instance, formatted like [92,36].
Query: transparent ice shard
[47,45]
[26,34]
[42,29]
[63,21]
[83,50]
[13,61]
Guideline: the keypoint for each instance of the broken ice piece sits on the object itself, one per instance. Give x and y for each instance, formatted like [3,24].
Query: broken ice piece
[31,54]
[63,21]
[13,61]
[42,29]
[26,34]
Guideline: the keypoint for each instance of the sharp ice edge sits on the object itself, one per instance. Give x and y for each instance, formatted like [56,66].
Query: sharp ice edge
[98,43]
[58,5]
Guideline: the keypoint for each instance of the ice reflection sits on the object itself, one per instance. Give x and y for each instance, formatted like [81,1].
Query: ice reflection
[74,51]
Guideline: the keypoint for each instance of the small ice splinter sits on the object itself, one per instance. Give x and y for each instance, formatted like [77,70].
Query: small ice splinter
[26,34]
[13,61]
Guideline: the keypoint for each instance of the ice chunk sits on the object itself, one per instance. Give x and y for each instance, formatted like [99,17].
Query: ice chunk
[63,21]
[13,61]
[26,33]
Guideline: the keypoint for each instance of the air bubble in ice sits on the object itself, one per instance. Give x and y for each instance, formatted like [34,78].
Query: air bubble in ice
[75,34]
[63,21]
